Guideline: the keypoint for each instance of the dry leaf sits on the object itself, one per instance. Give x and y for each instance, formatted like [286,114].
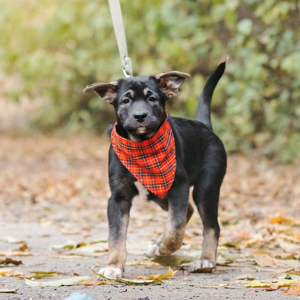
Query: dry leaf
[262,284]
[41,274]
[91,282]
[10,240]
[10,273]
[295,290]
[173,260]
[21,248]
[130,281]
[8,261]
[282,220]
[259,252]
[160,276]
[8,291]
[143,263]
[15,253]
[62,282]
[268,261]
[246,277]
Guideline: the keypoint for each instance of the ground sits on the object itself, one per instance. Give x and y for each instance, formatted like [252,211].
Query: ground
[54,189]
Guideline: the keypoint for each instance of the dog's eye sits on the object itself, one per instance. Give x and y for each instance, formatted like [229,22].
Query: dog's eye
[125,100]
[151,98]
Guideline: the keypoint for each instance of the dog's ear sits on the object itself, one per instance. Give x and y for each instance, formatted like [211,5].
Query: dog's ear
[170,82]
[106,91]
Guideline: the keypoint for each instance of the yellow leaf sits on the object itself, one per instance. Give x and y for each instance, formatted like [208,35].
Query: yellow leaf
[282,220]
[163,276]
[142,263]
[257,284]
[283,283]
[259,252]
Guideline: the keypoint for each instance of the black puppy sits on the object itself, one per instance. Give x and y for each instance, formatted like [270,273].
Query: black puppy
[139,104]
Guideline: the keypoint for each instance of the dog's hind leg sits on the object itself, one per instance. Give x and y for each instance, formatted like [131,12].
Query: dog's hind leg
[118,218]
[206,197]
[152,249]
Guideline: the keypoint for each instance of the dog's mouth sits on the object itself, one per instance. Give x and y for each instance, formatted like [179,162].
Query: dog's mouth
[141,130]
[141,133]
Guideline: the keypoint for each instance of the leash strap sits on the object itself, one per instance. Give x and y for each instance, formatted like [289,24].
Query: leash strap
[116,15]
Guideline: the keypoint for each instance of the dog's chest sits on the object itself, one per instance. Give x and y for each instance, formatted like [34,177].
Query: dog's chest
[143,192]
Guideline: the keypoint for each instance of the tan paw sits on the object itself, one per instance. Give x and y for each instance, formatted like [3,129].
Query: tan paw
[201,266]
[152,251]
[111,272]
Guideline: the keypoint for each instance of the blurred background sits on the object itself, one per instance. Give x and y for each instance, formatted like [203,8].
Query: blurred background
[53,151]
[50,50]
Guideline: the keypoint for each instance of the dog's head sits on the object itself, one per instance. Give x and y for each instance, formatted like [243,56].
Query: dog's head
[139,102]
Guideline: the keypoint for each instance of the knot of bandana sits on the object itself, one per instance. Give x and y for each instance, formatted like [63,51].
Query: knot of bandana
[152,162]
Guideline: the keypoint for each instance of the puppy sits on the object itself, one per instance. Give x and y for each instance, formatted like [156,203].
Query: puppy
[160,157]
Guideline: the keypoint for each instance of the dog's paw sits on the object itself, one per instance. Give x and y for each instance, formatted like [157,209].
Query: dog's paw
[152,251]
[111,272]
[201,265]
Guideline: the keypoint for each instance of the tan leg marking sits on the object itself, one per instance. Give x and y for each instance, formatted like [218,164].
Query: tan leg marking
[117,254]
[174,233]
[209,252]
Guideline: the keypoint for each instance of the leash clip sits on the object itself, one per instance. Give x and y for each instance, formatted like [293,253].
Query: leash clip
[127,67]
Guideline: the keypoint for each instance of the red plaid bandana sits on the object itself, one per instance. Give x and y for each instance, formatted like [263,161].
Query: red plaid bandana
[152,162]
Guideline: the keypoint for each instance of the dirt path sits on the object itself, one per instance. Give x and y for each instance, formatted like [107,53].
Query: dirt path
[55,189]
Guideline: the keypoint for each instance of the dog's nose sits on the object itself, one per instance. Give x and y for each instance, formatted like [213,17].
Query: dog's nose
[140,116]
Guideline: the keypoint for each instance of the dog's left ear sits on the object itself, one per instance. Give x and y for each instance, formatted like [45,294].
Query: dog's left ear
[170,82]
[106,91]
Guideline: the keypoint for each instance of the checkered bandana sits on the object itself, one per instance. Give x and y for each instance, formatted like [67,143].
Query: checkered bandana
[152,162]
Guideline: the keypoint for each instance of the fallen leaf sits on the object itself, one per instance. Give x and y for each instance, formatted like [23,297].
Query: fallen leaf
[15,253]
[62,282]
[42,274]
[295,290]
[289,271]
[98,248]
[224,261]
[10,273]
[268,261]
[201,286]
[259,252]
[243,234]
[262,284]
[22,248]
[8,291]
[68,231]
[173,260]
[10,240]
[282,220]
[93,282]
[160,276]
[245,277]
[142,263]
[8,261]
[130,281]
[70,245]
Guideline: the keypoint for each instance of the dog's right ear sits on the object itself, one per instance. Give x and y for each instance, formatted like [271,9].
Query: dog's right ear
[106,91]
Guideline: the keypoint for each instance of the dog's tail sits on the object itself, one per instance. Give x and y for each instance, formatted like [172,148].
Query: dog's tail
[203,108]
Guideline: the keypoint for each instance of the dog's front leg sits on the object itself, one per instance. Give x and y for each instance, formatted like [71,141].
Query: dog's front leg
[151,250]
[174,229]
[118,218]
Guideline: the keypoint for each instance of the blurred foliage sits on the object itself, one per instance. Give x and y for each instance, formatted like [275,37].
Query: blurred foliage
[57,47]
